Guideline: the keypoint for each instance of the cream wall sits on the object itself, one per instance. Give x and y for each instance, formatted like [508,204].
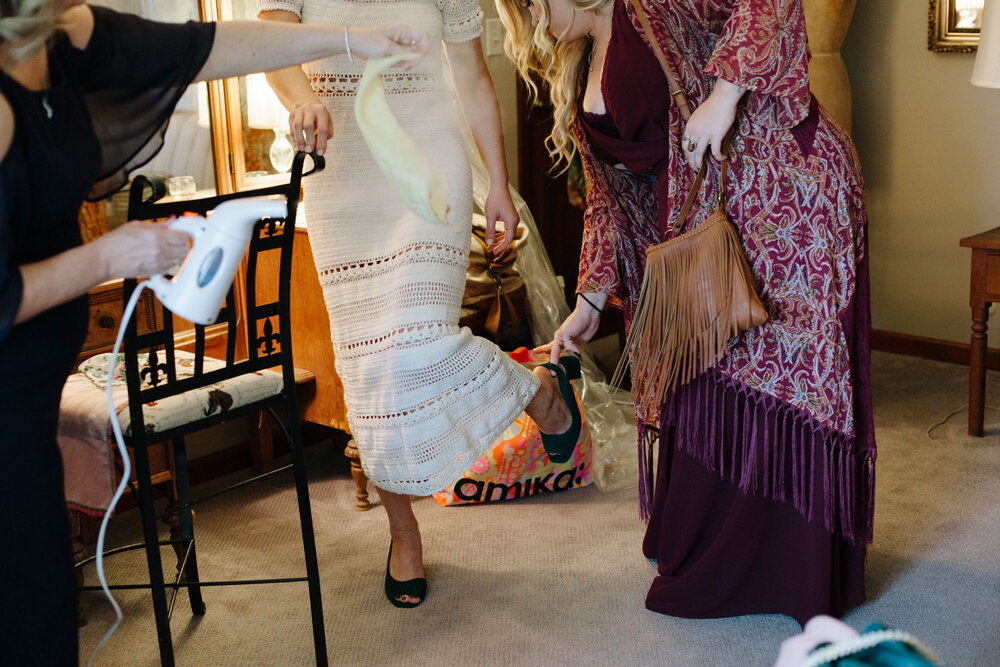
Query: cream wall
[930,149]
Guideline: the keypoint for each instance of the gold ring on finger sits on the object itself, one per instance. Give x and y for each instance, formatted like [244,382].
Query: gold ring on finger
[692,145]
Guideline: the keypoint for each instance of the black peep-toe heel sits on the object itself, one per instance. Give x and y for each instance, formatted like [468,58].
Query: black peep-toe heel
[414,588]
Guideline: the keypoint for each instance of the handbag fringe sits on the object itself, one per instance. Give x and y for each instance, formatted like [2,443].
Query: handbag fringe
[686,313]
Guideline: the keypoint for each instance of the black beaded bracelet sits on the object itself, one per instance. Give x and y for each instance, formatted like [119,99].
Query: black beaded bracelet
[583,296]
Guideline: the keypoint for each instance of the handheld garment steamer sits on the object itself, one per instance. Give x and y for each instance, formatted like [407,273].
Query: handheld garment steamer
[196,293]
[198,289]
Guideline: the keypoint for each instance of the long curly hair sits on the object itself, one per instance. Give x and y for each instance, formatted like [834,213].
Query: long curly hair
[537,53]
[25,25]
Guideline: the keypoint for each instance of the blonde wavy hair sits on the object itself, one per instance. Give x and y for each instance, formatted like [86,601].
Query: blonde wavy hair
[25,25]
[535,52]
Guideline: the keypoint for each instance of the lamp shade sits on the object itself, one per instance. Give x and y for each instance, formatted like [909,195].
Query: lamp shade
[264,111]
[986,72]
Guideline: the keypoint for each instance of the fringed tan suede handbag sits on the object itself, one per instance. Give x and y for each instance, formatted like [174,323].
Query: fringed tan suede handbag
[697,292]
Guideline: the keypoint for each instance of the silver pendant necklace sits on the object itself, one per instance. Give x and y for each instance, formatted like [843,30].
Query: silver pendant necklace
[46,105]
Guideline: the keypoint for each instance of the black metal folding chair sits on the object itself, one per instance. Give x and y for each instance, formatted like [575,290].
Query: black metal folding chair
[219,389]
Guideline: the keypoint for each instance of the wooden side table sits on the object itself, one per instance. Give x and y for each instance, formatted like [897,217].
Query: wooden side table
[984,290]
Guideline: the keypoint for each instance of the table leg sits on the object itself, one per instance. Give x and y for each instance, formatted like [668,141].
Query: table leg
[977,370]
[262,443]
[361,502]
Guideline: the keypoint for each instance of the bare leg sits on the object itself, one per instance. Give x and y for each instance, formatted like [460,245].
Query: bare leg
[547,408]
[407,560]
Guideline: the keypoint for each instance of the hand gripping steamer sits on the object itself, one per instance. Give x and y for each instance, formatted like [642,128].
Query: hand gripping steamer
[196,293]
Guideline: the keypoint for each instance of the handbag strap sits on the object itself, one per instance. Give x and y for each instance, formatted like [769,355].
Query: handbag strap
[676,92]
[693,193]
[680,97]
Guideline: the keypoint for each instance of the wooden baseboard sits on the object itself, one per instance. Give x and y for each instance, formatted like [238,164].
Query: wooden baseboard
[930,348]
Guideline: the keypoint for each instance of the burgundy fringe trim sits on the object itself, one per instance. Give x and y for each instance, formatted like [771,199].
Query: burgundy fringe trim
[768,448]
[648,438]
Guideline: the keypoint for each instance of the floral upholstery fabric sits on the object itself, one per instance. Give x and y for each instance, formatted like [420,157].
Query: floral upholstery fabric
[191,405]
[86,439]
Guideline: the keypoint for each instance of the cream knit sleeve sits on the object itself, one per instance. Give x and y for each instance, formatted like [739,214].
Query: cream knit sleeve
[462,19]
[294,6]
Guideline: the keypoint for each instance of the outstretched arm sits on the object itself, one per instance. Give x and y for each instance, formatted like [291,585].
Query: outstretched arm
[247,47]
[479,104]
[240,47]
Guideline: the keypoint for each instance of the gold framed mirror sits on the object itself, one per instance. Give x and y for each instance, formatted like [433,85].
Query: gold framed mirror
[953,25]
[225,135]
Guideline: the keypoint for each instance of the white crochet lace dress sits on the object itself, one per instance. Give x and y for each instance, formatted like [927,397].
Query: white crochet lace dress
[424,397]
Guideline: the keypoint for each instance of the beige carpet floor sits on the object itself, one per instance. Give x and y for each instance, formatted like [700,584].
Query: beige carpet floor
[560,579]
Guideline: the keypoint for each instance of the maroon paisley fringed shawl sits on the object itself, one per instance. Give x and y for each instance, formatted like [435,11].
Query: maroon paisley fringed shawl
[789,407]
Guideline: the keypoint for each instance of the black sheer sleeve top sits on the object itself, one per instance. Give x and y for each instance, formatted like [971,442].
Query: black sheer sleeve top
[104,113]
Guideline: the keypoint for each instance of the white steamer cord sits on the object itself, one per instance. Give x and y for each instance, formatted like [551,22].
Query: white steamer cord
[126,468]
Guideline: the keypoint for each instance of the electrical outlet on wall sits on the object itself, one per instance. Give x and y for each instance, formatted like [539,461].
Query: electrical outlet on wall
[493,37]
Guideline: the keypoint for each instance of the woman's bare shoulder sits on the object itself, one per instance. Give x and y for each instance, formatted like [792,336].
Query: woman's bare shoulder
[6,126]
[78,22]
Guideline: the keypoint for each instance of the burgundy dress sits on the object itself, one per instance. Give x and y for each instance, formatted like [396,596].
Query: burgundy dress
[762,496]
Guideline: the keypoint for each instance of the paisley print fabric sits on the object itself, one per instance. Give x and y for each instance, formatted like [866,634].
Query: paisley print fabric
[796,196]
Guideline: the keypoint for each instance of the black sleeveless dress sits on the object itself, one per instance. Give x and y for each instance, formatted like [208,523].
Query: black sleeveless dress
[104,113]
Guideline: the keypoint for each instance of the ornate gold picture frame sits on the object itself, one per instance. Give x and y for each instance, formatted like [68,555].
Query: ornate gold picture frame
[953,25]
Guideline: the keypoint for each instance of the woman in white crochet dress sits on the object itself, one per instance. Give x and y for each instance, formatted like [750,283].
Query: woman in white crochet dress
[425,398]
